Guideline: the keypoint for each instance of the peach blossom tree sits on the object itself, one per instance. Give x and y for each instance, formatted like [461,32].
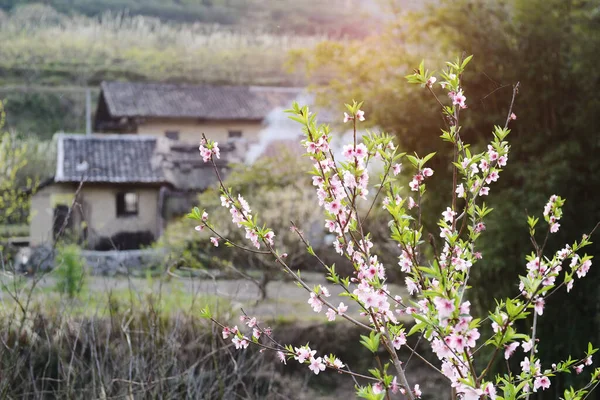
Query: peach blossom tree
[436,264]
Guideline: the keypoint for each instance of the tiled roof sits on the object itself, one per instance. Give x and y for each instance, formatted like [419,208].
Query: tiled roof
[129,99]
[106,158]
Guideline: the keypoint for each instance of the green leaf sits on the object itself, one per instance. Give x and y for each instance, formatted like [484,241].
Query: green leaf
[417,328]
[427,158]
[466,61]
[371,342]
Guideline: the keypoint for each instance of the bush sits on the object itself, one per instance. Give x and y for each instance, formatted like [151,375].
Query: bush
[279,192]
[70,271]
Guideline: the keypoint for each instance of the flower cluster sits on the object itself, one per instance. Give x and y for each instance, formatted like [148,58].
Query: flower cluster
[419,178]
[208,149]
[553,212]
[437,278]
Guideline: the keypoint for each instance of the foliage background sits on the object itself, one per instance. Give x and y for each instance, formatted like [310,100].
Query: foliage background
[549,46]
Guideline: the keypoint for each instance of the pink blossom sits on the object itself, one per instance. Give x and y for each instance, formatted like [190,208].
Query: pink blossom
[361,151]
[460,191]
[347,117]
[440,349]
[342,308]
[417,391]
[378,388]
[316,365]
[281,357]
[541,382]
[526,365]
[492,177]
[588,361]
[427,172]
[414,185]
[251,322]
[397,168]
[394,387]
[431,81]
[448,214]
[361,115]
[256,333]
[412,203]
[226,332]
[411,286]
[205,153]
[502,161]
[490,390]
[527,345]
[269,237]
[330,314]
[399,340]
[244,204]
[348,151]
[240,343]
[337,363]
[554,227]
[472,337]
[510,349]
[444,307]
[304,353]
[513,116]
[584,269]
[539,306]
[199,228]
[315,302]
[456,342]
[311,147]
[204,216]
[578,368]
[469,393]
[458,99]
[225,202]
[479,227]
[215,241]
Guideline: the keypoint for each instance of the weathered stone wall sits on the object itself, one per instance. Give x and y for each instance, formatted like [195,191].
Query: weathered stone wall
[126,262]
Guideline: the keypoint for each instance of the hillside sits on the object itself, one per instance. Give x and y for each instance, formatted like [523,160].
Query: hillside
[69,45]
[41,47]
[307,17]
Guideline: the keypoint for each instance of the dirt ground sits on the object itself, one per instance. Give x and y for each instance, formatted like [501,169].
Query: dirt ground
[285,299]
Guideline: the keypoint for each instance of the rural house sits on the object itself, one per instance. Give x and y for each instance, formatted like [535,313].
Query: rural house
[120,185]
[184,112]
[143,167]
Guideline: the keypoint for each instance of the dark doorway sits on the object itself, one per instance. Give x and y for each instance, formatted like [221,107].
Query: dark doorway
[61,222]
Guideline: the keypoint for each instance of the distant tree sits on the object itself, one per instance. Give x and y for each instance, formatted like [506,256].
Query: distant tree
[15,188]
[280,194]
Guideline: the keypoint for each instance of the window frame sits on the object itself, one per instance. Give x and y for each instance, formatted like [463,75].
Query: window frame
[121,204]
[235,134]
[174,133]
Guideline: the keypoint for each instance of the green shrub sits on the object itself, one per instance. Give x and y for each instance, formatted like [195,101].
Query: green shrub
[70,271]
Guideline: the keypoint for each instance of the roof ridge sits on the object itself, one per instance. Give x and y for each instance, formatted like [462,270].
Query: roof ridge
[192,85]
[105,136]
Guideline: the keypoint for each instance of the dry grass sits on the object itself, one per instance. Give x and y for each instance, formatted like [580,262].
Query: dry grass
[89,50]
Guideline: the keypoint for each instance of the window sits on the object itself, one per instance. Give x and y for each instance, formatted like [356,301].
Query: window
[235,134]
[173,135]
[127,204]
